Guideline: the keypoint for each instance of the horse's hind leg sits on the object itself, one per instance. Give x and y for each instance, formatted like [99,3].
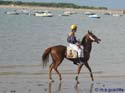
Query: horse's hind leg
[50,70]
[87,65]
[57,71]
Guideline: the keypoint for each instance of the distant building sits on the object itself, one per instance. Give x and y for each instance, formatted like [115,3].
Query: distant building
[123,11]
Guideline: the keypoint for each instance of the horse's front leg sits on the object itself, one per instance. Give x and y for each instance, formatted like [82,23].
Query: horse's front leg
[87,65]
[78,72]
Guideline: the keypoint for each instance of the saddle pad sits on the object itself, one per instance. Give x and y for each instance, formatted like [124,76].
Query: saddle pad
[71,53]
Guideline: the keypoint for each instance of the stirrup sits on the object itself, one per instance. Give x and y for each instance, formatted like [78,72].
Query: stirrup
[76,63]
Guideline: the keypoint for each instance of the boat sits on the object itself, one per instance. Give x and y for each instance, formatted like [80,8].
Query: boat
[107,13]
[44,14]
[94,16]
[12,13]
[116,15]
[26,12]
[67,13]
[64,15]
[89,13]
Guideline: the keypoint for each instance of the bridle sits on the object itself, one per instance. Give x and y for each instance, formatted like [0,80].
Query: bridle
[89,38]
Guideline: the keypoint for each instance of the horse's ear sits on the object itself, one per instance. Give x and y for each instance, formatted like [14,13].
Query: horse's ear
[88,31]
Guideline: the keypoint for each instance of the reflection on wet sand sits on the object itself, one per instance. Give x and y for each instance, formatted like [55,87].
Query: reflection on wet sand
[50,87]
[78,91]
[76,88]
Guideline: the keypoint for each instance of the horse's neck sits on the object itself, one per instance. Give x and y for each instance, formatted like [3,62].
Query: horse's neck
[87,45]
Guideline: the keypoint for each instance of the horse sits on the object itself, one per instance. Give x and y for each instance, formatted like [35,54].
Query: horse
[58,53]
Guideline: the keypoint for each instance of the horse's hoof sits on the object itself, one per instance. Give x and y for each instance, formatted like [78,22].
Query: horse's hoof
[51,81]
[77,82]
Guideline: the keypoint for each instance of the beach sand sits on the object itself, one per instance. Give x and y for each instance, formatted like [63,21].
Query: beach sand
[64,9]
[40,84]
[34,79]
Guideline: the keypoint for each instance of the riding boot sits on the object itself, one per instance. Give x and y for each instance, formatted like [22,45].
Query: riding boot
[75,63]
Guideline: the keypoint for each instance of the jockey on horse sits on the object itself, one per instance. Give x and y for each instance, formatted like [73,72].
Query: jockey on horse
[58,53]
[75,44]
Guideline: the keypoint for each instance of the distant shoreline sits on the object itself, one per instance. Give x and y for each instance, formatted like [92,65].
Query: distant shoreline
[64,9]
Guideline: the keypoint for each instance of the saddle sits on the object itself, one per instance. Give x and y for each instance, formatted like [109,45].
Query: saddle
[71,53]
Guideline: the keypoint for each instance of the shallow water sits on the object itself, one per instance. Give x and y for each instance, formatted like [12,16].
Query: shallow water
[23,39]
[32,85]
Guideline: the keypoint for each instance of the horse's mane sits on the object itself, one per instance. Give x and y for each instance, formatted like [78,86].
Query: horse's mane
[83,40]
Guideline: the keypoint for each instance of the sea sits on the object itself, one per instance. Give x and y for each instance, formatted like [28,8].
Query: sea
[23,39]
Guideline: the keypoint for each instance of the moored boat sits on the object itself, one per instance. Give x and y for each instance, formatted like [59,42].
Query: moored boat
[12,13]
[67,13]
[94,16]
[44,14]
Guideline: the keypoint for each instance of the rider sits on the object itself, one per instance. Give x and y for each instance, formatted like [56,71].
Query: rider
[73,42]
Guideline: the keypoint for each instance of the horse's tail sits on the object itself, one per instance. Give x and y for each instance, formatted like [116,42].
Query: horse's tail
[45,56]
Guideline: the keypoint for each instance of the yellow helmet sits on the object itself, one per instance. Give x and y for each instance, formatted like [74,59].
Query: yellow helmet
[73,27]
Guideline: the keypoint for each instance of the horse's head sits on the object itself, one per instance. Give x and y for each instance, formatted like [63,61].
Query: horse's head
[93,38]
[90,37]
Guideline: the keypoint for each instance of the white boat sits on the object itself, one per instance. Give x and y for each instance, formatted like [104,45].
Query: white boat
[94,16]
[107,13]
[64,15]
[26,12]
[44,14]
[67,13]
[12,13]
[89,13]
[116,15]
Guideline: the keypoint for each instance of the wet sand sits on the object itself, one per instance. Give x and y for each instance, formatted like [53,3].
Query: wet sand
[40,84]
[12,80]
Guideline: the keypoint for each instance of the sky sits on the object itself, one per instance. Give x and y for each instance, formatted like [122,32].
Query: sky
[110,4]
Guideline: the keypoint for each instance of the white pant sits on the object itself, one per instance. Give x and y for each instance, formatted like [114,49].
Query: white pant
[76,48]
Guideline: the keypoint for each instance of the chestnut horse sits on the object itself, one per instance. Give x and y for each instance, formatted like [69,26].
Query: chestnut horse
[58,53]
